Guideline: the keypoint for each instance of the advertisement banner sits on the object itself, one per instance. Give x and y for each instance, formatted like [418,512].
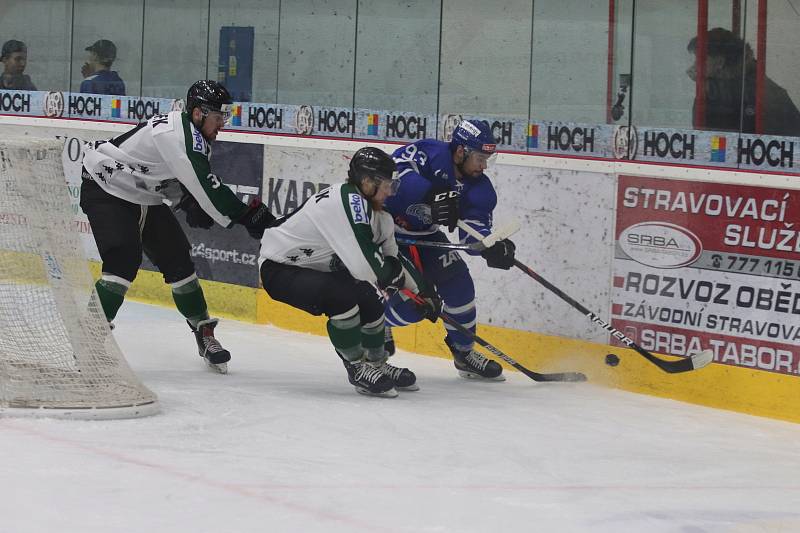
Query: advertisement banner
[775,154]
[394,125]
[71,159]
[20,102]
[667,146]
[706,265]
[296,174]
[509,132]
[567,138]
[271,118]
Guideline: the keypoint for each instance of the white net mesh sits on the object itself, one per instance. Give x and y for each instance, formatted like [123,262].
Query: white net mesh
[57,354]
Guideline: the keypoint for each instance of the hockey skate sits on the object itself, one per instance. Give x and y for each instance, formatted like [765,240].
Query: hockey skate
[404,379]
[209,347]
[388,343]
[473,365]
[368,379]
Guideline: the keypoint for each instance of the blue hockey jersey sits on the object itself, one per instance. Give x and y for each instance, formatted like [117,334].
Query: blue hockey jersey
[104,82]
[425,168]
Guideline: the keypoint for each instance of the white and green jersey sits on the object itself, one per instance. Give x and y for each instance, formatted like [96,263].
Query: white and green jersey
[335,229]
[145,165]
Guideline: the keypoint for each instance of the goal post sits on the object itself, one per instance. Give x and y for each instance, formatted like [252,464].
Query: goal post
[58,357]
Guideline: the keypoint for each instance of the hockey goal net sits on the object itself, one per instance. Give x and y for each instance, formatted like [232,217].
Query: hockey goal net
[57,354]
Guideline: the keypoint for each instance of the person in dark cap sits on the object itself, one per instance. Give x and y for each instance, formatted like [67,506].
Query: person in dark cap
[14,56]
[99,78]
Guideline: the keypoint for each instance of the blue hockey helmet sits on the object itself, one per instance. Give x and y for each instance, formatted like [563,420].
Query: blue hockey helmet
[474,135]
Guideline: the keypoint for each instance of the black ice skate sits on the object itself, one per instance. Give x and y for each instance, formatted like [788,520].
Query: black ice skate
[209,347]
[369,380]
[388,343]
[473,365]
[404,379]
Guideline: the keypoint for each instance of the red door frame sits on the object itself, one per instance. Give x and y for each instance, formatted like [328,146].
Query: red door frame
[612,26]
[761,62]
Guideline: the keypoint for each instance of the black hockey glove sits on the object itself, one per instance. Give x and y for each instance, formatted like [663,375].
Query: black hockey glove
[256,219]
[444,209]
[431,306]
[195,216]
[501,255]
[396,279]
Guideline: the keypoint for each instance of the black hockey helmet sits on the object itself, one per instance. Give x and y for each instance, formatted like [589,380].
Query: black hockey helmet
[371,161]
[209,95]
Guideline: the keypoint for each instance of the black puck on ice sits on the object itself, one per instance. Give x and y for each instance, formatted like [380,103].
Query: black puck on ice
[612,360]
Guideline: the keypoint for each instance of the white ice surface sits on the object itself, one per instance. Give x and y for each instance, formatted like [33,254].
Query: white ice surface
[283,443]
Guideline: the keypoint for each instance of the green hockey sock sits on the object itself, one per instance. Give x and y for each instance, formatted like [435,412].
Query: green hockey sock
[111,293]
[190,301]
[372,337]
[344,330]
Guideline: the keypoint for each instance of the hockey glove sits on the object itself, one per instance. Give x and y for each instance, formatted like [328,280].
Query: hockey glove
[256,219]
[501,255]
[396,279]
[444,209]
[431,306]
[195,216]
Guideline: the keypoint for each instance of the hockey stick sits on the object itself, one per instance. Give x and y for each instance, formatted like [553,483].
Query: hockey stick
[698,360]
[536,376]
[502,233]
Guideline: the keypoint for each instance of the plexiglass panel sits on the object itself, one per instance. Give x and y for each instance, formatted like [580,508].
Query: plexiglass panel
[112,29]
[665,68]
[485,58]
[570,61]
[247,31]
[45,27]
[175,47]
[397,55]
[316,52]
[780,101]
[620,62]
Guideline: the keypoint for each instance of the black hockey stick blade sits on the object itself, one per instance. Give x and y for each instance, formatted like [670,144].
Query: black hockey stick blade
[698,360]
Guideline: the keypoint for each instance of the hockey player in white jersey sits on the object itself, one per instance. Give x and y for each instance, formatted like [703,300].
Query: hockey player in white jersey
[126,182]
[324,259]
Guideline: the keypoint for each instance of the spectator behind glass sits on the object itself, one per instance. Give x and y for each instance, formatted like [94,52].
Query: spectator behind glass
[99,78]
[14,57]
[729,59]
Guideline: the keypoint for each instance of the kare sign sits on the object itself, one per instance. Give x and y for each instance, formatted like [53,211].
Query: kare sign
[707,265]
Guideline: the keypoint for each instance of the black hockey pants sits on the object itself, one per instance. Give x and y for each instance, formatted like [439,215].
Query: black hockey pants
[321,293]
[123,230]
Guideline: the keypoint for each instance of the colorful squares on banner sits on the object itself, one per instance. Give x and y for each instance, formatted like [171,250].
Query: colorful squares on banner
[236,115]
[372,124]
[718,145]
[533,136]
[116,108]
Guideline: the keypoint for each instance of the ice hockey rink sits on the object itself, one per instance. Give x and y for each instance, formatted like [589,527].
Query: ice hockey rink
[283,443]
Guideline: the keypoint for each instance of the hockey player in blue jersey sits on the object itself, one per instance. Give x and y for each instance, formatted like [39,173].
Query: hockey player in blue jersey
[428,168]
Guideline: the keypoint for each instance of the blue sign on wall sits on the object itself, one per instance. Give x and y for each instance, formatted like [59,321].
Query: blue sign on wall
[236,61]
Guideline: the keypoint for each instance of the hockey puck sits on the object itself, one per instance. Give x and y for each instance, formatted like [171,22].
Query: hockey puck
[612,360]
